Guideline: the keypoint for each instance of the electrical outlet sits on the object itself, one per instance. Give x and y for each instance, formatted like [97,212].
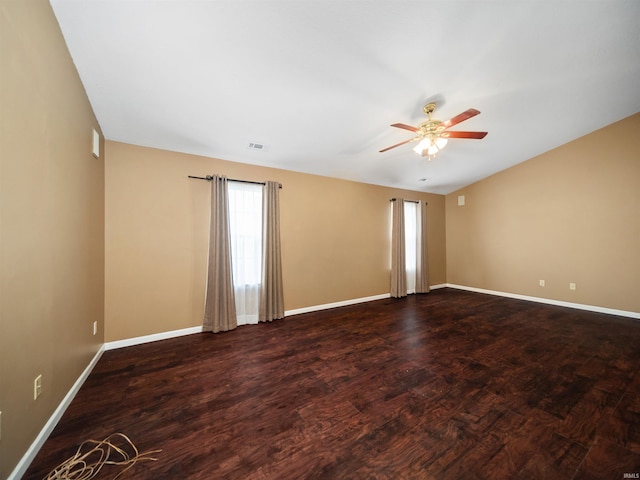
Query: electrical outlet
[542,283]
[95,327]
[37,387]
[572,286]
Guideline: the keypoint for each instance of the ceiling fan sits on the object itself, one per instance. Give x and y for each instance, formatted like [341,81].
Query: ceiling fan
[433,135]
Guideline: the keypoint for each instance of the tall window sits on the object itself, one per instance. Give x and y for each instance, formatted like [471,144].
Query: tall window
[245,226]
[410,239]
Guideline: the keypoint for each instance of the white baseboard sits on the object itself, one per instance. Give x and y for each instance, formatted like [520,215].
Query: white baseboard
[548,301]
[326,306]
[154,337]
[344,303]
[129,342]
[37,444]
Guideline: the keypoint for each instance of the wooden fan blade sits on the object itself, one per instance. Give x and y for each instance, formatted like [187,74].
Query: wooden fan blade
[472,112]
[405,126]
[476,135]
[398,144]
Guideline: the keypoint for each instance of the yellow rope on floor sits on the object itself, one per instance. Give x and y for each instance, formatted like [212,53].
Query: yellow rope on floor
[84,466]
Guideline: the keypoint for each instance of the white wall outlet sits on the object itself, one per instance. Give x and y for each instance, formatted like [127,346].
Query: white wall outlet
[572,286]
[37,387]
[541,283]
[95,327]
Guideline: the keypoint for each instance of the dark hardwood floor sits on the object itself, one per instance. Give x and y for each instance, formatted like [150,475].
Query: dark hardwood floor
[449,385]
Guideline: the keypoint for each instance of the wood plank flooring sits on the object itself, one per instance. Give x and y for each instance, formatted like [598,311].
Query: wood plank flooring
[448,385]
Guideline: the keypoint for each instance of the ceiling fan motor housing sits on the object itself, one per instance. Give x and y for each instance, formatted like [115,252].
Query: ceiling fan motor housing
[431,128]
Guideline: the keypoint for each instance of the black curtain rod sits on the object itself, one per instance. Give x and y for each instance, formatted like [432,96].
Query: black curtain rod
[410,201]
[209,178]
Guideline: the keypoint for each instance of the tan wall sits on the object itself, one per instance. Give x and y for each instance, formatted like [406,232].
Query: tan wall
[570,215]
[51,225]
[335,237]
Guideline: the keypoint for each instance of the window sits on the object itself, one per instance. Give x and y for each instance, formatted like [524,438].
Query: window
[245,228]
[410,240]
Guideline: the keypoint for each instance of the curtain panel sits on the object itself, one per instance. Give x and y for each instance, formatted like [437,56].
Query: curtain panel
[398,262]
[271,292]
[220,310]
[422,264]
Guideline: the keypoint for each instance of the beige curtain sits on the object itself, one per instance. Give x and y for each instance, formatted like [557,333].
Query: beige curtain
[220,308]
[422,264]
[398,266]
[271,294]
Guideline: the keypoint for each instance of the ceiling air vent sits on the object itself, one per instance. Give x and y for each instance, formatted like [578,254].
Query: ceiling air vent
[258,146]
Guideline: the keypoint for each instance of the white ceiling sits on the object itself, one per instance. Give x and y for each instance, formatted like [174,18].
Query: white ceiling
[320,81]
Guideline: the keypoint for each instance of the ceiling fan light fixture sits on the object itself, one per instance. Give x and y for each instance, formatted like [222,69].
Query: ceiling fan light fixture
[430,146]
